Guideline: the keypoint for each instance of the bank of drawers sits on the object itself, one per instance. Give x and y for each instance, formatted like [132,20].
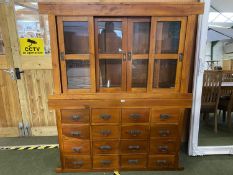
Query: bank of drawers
[114,138]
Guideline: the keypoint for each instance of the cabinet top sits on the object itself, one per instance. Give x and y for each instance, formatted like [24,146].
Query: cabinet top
[121,8]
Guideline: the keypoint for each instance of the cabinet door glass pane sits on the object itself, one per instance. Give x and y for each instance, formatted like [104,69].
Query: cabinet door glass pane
[78,74]
[164,73]
[141,36]
[167,37]
[139,73]
[76,37]
[110,73]
[109,37]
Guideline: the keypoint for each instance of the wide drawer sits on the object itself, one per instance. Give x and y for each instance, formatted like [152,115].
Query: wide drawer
[76,131]
[106,115]
[77,162]
[162,162]
[164,130]
[134,131]
[170,115]
[76,147]
[105,132]
[105,147]
[134,146]
[75,116]
[135,115]
[133,161]
[106,162]
[162,146]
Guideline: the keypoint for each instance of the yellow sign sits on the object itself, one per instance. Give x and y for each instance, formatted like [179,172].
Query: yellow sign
[31,46]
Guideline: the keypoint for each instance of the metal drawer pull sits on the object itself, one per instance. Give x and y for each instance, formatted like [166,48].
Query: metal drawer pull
[163,149]
[76,133]
[133,161]
[105,162]
[134,132]
[77,149]
[76,117]
[134,147]
[78,163]
[105,147]
[162,162]
[135,116]
[164,133]
[105,116]
[164,116]
[105,132]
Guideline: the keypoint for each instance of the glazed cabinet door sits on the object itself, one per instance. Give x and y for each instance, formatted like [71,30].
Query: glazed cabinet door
[76,45]
[138,54]
[166,53]
[110,42]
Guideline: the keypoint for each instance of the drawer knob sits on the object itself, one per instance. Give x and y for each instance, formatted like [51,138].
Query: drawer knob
[105,162]
[134,147]
[105,116]
[78,163]
[76,133]
[76,117]
[135,116]
[164,116]
[133,161]
[164,132]
[105,132]
[162,162]
[134,132]
[163,149]
[77,149]
[105,147]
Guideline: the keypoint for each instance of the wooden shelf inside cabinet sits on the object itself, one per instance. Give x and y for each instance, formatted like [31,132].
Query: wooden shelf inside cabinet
[121,78]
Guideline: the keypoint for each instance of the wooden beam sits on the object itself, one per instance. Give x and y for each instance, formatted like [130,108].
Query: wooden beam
[44,131]
[121,9]
[9,132]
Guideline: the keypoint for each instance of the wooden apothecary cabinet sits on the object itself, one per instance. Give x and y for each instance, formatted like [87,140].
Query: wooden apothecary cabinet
[121,78]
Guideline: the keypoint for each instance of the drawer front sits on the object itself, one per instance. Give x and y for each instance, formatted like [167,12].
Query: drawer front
[105,132]
[77,162]
[133,161]
[106,162]
[134,146]
[75,116]
[105,147]
[162,162]
[164,130]
[163,146]
[134,132]
[76,147]
[170,115]
[106,115]
[135,115]
[77,131]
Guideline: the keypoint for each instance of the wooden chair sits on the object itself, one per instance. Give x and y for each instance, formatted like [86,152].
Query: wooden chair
[210,94]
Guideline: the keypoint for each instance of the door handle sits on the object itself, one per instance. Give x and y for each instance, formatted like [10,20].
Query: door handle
[129,55]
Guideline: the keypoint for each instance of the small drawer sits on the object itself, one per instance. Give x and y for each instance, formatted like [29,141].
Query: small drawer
[135,115]
[73,146]
[106,162]
[77,162]
[76,131]
[134,146]
[105,147]
[164,130]
[170,115]
[107,115]
[134,132]
[133,161]
[105,132]
[163,146]
[75,116]
[162,162]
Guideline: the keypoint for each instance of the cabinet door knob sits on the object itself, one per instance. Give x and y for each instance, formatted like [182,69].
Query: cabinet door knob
[163,148]
[76,117]
[164,116]
[162,162]
[105,132]
[76,133]
[134,132]
[105,147]
[134,147]
[164,132]
[135,116]
[77,149]
[105,116]
[106,162]
[133,161]
[78,163]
